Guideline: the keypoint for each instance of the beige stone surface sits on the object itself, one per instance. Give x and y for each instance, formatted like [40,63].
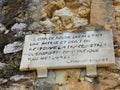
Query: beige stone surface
[116,2]
[84,11]
[65,10]
[102,13]
[17,87]
[73,79]
[118,23]
[108,84]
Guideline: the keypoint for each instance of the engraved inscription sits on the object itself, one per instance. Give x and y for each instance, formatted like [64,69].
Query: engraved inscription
[68,49]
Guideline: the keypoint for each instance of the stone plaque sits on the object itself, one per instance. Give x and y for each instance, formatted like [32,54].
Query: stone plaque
[68,50]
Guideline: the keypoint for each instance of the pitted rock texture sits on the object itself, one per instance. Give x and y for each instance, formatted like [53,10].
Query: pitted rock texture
[22,17]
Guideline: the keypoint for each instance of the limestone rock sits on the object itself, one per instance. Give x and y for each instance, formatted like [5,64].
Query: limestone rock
[22,34]
[49,9]
[2,28]
[19,26]
[54,19]
[47,23]
[102,13]
[59,15]
[74,5]
[118,23]
[66,21]
[117,63]
[69,26]
[51,6]
[117,14]
[117,8]
[89,79]
[79,22]
[81,1]
[74,82]
[3,81]
[62,19]
[107,84]
[117,50]
[18,87]
[59,3]
[115,75]
[58,25]
[84,11]
[117,1]
[13,47]
[2,65]
[17,77]
[64,12]
[60,74]
[71,80]
[90,27]
[118,88]
[87,3]
[6,32]
[35,26]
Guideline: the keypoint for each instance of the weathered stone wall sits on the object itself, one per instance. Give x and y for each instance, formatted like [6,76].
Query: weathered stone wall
[55,16]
